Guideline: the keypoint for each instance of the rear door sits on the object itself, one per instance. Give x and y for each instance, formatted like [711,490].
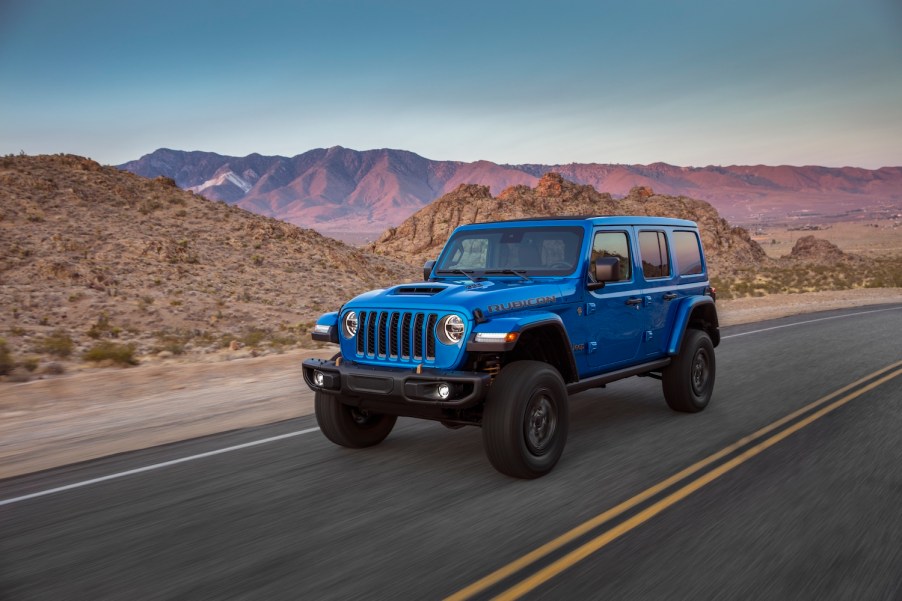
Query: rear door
[660,292]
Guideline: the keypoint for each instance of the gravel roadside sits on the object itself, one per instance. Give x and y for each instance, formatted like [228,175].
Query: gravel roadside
[94,413]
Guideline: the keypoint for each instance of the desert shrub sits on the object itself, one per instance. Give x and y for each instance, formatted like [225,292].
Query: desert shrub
[58,343]
[254,336]
[174,342]
[6,359]
[101,327]
[53,369]
[149,205]
[105,350]
[29,363]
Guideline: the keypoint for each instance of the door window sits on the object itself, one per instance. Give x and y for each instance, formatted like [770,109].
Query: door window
[653,250]
[687,254]
[614,244]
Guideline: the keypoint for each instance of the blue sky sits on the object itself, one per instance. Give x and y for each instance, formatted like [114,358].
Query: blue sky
[630,81]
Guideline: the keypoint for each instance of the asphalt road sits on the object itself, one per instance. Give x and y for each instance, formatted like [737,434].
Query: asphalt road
[811,508]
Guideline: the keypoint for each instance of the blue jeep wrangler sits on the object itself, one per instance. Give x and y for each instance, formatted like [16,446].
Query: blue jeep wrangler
[512,318]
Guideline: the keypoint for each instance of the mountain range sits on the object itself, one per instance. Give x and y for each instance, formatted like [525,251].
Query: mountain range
[338,189]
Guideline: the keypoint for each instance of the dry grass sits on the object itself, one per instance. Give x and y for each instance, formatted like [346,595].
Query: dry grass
[811,277]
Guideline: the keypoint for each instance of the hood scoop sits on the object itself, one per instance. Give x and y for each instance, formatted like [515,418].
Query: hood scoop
[419,290]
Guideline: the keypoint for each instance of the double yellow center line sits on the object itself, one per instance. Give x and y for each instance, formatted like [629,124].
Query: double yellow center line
[759,440]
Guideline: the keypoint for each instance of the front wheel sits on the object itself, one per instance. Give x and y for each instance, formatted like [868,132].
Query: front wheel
[349,426]
[526,418]
[689,381]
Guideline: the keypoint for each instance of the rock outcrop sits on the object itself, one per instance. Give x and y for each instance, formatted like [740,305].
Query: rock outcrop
[817,250]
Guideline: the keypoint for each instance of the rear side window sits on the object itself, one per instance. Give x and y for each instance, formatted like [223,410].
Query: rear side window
[687,253]
[653,250]
[614,244]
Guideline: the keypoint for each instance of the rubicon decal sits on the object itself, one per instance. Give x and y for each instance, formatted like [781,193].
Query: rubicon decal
[530,302]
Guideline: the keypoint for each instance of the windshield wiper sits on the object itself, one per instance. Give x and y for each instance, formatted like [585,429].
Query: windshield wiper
[459,271]
[522,274]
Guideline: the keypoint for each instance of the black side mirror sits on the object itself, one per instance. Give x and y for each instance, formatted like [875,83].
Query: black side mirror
[605,269]
[427,270]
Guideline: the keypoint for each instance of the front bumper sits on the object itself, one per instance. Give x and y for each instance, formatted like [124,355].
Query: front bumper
[396,388]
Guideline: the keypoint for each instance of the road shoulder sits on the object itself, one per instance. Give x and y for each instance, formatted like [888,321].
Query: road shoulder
[59,421]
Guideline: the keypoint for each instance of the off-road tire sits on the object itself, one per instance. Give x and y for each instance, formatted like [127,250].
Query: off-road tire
[348,426]
[689,380]
[526,419]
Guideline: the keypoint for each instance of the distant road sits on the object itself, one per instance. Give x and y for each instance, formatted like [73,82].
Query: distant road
[787,487]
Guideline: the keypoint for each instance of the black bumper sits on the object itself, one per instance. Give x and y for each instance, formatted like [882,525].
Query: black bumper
[396,388]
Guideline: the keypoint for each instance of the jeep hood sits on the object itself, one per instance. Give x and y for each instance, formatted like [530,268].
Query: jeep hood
[491,296]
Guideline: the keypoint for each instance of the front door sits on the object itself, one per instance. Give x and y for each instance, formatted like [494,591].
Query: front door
[615,313]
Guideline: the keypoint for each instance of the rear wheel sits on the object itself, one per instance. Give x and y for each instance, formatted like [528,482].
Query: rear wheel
[526,418]
[349,426]
[689,380]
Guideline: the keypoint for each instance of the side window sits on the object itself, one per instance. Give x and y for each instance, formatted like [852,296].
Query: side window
[687,253]
[614,244]
[653,251]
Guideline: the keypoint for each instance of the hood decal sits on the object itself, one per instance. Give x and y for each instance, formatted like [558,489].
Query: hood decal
[521,304]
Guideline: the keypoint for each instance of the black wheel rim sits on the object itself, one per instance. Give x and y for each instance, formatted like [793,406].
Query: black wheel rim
[700,372]
[541,423]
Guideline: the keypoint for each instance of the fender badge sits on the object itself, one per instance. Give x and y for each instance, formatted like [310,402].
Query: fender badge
[521,304]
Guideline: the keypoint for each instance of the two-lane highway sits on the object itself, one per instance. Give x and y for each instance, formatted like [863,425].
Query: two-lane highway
[787,486]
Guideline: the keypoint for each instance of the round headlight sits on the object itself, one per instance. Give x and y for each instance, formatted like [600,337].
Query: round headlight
[450,329]
[349,324]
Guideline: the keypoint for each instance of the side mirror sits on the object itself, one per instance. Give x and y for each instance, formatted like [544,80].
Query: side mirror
[427,270]
[605,269]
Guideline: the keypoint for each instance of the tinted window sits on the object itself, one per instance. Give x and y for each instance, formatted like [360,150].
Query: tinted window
[613,244]
[533,250]
[687,254]
[653,250]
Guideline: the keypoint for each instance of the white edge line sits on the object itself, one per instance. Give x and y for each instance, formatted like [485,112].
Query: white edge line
[254,443]
[798,323]
[155,466]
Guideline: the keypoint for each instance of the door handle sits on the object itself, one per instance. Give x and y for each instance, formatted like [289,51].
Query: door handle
[670,296]
[634,301]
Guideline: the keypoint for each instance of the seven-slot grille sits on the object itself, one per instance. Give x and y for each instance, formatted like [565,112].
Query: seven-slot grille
[403,335]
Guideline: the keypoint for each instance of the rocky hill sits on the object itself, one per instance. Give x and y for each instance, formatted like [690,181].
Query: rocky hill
[339,190]
[94,254]
[422,235]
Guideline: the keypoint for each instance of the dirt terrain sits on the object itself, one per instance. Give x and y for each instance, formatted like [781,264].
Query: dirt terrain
[96,412]
[871,238]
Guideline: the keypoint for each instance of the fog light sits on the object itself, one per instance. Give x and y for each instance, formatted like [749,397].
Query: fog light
[443,390]
[318,378]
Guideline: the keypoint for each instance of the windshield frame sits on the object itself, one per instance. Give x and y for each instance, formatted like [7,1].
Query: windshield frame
[443,270]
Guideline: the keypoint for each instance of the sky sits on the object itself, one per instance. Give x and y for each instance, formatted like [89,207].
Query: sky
[692,83]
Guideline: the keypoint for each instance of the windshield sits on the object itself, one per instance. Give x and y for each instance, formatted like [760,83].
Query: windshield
[530,251]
